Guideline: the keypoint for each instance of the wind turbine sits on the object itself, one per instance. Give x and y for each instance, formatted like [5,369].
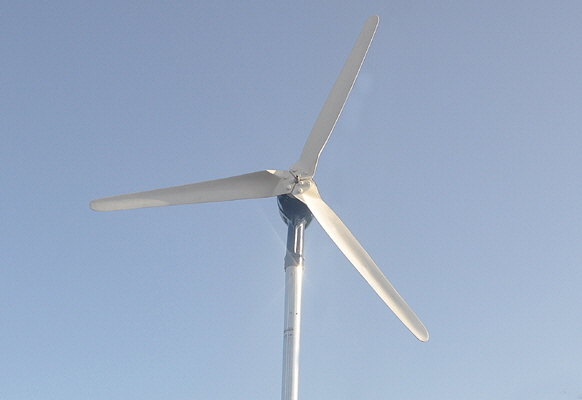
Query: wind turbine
[299,201]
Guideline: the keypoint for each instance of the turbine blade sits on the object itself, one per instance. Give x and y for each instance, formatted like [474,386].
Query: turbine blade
[356,254]
[334,104]
[265,183]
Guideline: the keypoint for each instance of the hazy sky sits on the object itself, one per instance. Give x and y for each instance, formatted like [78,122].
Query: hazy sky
[456,163]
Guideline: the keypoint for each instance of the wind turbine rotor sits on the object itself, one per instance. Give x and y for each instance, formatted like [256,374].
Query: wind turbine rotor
[296,183]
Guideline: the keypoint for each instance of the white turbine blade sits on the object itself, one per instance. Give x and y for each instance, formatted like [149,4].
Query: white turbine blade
[334,104]
[356,254]
[265,183]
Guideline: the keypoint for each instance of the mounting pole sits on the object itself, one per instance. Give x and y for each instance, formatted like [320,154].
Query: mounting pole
[297,216]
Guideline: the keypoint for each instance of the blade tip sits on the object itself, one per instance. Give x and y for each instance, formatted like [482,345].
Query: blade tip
[374,18]
[93,205]
[97,205]
[422,336]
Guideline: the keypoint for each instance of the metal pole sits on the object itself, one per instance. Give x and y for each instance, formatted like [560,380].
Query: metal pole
[297,216]
[292,328]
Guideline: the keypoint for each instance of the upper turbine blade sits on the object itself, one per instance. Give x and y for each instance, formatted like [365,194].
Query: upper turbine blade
[356,254]
[305,167]
[265,183]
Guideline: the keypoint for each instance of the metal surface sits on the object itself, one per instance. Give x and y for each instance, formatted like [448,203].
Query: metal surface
[297,216]
[292,326]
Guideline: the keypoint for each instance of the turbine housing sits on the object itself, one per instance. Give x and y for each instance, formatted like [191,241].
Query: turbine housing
[293,211]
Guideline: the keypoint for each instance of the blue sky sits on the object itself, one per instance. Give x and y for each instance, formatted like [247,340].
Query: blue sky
[456,163]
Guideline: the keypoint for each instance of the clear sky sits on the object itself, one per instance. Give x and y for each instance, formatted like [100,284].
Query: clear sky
[456,163]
